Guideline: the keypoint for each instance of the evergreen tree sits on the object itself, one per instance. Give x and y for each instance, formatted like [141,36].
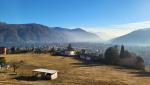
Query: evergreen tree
[122,52]
[69,48]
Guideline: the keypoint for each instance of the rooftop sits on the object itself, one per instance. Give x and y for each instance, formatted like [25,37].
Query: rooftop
[45,70]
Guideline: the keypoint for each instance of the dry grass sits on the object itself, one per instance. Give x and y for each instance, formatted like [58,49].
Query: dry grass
[71,72]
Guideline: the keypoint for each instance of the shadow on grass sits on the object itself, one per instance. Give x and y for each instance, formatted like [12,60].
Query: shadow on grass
[3,72]
[137,72]
[30,78]
[85,63]
[141,74]
[125,67]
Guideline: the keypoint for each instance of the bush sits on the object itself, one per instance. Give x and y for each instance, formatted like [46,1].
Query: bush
[112,55]
[140,63]
[129,59]
[125,58]
[2,61]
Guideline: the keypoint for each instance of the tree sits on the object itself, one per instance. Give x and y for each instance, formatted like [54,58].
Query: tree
[69,48]
[122,52]
[38,50]
[52,51]
[12,49]
[2,61]
[112,55]
[83,51]
[16,64]
[140,63]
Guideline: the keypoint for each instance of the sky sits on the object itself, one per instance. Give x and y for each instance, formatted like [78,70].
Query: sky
[107,18]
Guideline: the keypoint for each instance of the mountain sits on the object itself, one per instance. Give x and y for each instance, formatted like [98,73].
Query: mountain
[138,37]
[37,33]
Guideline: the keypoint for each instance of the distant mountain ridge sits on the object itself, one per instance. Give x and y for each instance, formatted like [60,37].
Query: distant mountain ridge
[138,37]
[37,33]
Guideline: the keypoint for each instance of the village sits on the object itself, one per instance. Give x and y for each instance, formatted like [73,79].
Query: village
[43,73]
[69,51]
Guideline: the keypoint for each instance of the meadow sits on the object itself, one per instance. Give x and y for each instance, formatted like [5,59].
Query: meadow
[71,72]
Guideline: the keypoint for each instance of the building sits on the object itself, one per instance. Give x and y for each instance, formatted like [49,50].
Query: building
[45,73]
[3,50]
[70,53]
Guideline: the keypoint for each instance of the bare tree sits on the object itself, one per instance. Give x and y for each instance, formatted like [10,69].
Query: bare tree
[16,64]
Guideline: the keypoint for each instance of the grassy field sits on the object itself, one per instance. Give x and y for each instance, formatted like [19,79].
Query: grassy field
[71,72]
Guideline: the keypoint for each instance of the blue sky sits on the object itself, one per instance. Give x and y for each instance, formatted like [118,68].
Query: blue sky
[107,18]
[75,13]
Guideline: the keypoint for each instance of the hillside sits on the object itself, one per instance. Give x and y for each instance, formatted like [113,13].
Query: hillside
[72,72]
[12,34]
[138,37]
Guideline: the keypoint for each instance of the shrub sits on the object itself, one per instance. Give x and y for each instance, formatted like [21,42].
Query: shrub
[140,63]
[2,61]
[112,55]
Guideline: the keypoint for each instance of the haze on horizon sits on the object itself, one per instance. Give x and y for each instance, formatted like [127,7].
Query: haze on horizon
[107,18]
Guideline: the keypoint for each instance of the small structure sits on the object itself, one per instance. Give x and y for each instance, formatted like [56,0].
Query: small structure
[70,53]
[45,73]
[3,50]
